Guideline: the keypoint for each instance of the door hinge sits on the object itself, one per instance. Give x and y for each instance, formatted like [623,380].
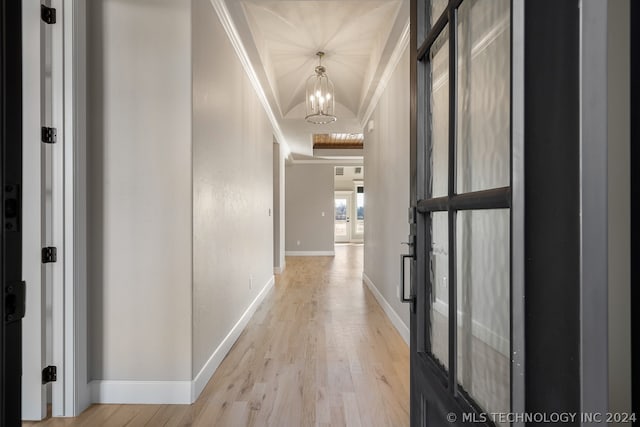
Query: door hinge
[49,374]
[49,135]
[49,254]
[48,14]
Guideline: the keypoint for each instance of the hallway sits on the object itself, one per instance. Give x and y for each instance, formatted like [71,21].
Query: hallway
[319,351]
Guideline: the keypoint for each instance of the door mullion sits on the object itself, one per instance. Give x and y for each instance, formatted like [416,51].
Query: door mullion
[453,305]
[494,198]
[434,32]
[420,161]
[453,107]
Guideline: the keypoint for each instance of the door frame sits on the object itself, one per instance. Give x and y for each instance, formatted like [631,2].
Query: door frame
[71,393]
[33,394]
[356,237]
[348,195]
[77,393]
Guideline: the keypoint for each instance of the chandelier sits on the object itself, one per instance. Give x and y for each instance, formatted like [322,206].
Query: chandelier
[320,96]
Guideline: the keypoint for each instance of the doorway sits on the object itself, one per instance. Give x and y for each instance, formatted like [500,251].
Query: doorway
[342,218]
[349,204]
[46,116]
[358,212]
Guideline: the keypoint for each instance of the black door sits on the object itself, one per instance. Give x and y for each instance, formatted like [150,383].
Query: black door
[12,295]
[635,200]
[461,326]
[493,287]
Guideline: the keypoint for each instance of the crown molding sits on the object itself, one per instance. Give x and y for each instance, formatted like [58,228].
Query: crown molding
[229,27]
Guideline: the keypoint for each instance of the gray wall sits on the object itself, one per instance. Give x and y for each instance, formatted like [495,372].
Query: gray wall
[232,187]
[309,193]
[386,162]
[180,189]
[619,179]
[139,187]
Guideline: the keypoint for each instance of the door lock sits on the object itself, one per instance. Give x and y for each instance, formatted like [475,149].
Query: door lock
[15,301]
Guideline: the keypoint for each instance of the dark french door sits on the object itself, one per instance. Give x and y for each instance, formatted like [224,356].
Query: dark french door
[474,322]
[461,215]
[635,201]
[12,287]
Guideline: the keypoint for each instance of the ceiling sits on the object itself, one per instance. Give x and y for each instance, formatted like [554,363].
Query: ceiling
[280,39]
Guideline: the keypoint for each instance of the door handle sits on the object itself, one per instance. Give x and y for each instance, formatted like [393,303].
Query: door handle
[411,298]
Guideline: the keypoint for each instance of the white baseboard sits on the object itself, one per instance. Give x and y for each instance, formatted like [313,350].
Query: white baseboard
[396,321]
[209,368]
[310,253]
[478,330]
[280,270]
[141,392]
[174,392]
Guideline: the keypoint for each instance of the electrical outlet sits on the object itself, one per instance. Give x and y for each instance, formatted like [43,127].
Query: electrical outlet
[250,281]
[298,243]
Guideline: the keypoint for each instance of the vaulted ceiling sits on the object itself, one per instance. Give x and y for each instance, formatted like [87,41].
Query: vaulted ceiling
[352,34]
[281,37]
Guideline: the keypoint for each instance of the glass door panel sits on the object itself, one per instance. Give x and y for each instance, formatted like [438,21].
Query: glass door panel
[341,217]
[483,274]
[440,114]
[359,214]
[463,147]
[439,271]
[437,7]
[484,60]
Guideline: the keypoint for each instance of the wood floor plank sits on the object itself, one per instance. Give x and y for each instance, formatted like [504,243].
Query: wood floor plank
[318,352]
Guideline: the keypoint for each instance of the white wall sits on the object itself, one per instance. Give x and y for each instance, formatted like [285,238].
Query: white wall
[619,211]
[309,194]
[139,187]
[386,160]
[232,188]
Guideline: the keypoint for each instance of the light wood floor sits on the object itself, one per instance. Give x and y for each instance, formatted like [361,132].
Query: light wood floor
[319,351]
